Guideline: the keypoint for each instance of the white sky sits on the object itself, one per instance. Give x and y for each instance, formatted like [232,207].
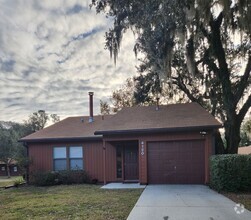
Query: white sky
[51,54]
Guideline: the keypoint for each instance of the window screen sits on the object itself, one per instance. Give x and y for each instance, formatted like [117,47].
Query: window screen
[76,158]
[59,156]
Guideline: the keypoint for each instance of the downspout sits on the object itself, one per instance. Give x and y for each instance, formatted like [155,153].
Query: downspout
[104,161]
[26,177]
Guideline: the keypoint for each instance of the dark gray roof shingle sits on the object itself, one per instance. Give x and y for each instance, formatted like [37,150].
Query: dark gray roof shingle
[69,128]
[129,120]
[174,116]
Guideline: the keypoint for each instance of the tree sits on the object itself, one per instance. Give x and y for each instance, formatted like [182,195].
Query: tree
[247,126]
[7,148]
[147,88]
[20,156]
[140,90]
[10,149]
[123,97]
[55,118]
[200,49]
[10,132]
[104,108]
[38,120]
[245,133]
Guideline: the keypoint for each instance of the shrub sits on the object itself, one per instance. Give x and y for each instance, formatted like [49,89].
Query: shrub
[73,177]
[19,181]
[230,172]
[41,178]
[61,177]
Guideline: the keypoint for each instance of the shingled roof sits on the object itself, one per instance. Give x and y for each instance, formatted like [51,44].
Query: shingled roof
[72,128]
[175,117]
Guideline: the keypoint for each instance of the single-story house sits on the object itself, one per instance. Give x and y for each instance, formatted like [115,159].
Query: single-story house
[14,169]
[145,144]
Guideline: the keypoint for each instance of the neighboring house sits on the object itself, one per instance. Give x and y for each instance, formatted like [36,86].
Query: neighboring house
[14,170]
[149,145]
[244,150]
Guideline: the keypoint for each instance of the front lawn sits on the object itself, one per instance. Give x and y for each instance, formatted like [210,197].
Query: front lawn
[5,181]
[67,202]
[243,198]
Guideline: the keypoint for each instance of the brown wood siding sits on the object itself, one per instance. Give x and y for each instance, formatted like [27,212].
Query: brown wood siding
[42,157]
[110,165]
[178,136]
[93,159]
[142,161]
[42,154]
[209,151]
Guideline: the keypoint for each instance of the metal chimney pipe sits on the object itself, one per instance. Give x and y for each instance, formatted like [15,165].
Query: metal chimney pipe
[91,106]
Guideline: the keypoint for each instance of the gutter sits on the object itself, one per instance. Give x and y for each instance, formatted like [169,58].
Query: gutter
[157,130]
[70,139]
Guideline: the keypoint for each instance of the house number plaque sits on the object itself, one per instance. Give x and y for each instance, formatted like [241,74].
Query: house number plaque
[142,148]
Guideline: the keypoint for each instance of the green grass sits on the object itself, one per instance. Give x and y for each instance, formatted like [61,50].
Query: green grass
[67,202]
[5,181]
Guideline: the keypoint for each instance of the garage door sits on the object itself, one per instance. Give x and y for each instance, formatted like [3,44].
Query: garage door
[176,162]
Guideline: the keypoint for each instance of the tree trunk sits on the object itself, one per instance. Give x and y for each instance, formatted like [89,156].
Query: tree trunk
[232,135]
[8,170]
[219,145]
[26,175]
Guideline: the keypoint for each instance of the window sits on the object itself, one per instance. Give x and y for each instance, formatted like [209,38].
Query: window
[15,169]
[68,158]
[3,168]
[76,158]
[59,156]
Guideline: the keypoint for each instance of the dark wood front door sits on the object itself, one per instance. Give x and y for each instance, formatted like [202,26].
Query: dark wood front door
[131,168]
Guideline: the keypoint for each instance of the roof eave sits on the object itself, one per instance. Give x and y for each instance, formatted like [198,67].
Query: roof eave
[60,139]
[157,130]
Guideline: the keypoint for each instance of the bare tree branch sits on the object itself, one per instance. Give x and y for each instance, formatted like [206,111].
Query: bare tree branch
[224,74]
[244,109]
[177,81]
[243,81]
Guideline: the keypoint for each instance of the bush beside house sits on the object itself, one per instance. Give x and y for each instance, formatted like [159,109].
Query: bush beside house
[230,172]
[40,178]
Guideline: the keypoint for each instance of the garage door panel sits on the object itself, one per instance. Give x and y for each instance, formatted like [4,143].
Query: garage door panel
[176,162]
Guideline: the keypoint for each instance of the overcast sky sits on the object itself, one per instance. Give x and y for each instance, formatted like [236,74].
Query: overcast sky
[51,54]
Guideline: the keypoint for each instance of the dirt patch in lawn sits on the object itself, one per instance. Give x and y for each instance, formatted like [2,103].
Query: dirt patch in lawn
[243,198]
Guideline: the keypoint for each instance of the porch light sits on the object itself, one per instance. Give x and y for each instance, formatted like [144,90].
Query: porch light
[203,133]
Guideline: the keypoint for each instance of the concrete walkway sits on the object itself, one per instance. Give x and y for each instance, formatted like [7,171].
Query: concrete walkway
[123,186]
[185,202]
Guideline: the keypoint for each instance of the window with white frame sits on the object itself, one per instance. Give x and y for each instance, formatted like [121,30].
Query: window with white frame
[3,168]
[65,158]
[76,158]
[15,168]
[59,158]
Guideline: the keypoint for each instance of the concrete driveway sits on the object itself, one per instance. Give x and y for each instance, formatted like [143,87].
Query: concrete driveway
[185,202]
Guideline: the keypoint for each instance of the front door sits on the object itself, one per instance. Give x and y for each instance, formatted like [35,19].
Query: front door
[131,168]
